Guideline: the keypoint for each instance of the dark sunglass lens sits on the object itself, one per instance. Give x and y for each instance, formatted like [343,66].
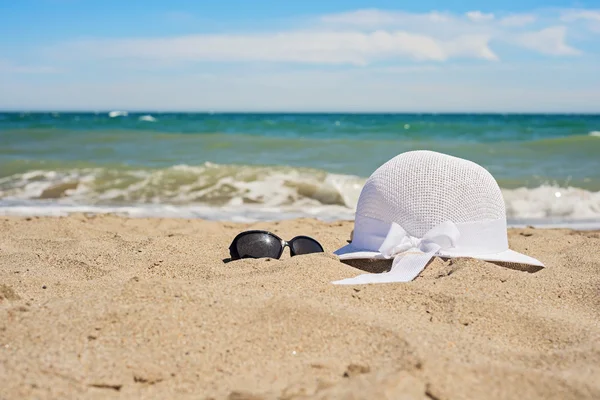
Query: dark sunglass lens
[306,246]
[258,245]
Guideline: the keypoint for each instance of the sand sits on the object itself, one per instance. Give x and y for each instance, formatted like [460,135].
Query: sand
[110,307]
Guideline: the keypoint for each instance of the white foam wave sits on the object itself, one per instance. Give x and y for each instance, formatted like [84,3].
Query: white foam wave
[147,118]
[114,114]
[552,203]
[594,133]
[244,214]
[227,213]
[232,192]
[214,185]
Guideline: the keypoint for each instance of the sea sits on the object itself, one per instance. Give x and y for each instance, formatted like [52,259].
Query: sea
[260,166]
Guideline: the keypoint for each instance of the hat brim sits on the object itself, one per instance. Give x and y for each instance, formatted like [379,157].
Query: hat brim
[350,252]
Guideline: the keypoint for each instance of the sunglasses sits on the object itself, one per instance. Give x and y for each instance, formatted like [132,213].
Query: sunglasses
[263,244]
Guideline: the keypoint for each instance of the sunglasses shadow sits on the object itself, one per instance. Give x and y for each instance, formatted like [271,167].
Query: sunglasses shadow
[229,259]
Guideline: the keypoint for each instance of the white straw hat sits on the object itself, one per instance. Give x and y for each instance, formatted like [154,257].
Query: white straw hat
[422,204]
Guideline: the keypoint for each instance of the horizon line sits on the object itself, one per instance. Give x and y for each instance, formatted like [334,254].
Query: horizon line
[101,111]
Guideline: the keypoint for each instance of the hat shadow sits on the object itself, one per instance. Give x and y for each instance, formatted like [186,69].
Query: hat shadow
[518,267]
[380,266]
[370,266]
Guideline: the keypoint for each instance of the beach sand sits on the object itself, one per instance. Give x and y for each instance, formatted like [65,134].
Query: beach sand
[110,307]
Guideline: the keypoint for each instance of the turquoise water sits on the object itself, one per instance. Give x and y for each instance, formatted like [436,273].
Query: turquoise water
[230,166]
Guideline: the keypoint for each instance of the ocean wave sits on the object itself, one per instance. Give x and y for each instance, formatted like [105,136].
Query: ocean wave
[551,202]
[216,191]
[248,213]
[594,133]
[114,114]
[209,184]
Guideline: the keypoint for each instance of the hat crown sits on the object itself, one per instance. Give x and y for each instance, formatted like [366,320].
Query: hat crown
[419,190]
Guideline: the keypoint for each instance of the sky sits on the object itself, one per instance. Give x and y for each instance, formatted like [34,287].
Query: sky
[309,55]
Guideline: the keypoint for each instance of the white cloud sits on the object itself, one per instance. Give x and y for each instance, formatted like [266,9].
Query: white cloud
[471,46]
[325,47]
[359,38]
[518,20]
[590,18]
[576,15]
[506,29]
[373,18]
[478,16]
[550,41]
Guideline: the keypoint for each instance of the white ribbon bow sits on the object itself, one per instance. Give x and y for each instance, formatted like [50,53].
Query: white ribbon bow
[410,254]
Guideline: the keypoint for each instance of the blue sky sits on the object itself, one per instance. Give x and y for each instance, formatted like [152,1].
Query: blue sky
[426,56]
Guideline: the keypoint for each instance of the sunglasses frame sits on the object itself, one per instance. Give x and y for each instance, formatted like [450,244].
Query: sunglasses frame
[235,255]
